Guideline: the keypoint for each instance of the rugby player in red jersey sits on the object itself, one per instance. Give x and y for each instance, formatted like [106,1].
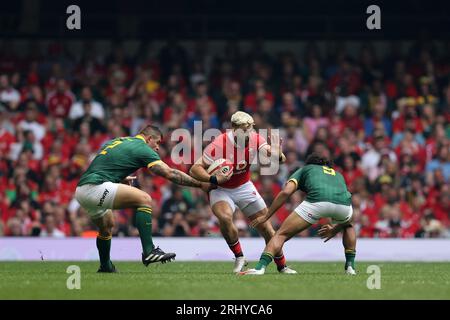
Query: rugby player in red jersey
[241,146]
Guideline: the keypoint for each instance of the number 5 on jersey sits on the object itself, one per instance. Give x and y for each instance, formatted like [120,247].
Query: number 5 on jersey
[328,170]
[112,145]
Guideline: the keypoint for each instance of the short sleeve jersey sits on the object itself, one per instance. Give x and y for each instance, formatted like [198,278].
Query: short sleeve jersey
[119,158]
[321,183]
[225,147]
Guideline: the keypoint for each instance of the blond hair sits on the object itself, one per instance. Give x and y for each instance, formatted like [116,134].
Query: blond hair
[241,118]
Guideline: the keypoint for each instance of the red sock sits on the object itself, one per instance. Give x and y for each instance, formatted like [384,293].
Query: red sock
[280,261]
[236,248]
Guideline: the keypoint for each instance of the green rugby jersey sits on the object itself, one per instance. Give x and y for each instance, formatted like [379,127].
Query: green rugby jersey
[117,159]
[321,183]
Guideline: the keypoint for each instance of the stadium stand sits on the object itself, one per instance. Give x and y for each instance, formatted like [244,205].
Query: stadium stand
[383,118]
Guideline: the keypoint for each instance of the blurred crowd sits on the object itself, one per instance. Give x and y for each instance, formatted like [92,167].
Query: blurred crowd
[383,118]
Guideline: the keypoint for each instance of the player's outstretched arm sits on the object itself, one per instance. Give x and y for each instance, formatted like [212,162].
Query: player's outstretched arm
[279,200]
[177,176]
[289,188]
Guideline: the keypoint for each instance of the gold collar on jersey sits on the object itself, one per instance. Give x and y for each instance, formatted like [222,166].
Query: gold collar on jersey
[139,136]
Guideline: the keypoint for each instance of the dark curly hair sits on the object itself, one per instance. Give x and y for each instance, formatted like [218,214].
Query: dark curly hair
[319,159]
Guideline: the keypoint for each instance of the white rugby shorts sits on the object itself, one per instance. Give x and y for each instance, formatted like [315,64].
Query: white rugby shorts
[245,197]
[96,199]
[313,211]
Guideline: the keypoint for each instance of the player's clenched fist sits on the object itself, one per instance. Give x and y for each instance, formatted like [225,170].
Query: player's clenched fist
[222,177]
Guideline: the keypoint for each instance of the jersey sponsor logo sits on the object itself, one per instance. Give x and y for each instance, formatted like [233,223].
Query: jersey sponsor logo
[102,199]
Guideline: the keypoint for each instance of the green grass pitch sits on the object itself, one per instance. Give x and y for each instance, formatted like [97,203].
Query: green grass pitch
[213,280]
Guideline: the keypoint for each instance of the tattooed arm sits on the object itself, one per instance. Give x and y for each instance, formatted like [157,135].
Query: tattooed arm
[177,176]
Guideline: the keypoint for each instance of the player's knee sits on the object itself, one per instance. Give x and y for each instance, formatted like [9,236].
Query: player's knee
[224,215]
[145,200]
[226,220]
[105,231]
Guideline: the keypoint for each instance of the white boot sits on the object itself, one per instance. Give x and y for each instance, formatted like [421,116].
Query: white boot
[350,271]
[239,264]
[287,270]
[253,272]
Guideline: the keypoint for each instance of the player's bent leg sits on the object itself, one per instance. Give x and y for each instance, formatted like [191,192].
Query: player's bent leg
[349,242]
[293,225]
[131,197]
[349,237]
[105,225]
[224,213]
[267,231]
[343,215]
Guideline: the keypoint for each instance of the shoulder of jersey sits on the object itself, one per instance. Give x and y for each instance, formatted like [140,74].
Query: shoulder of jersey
[220,139]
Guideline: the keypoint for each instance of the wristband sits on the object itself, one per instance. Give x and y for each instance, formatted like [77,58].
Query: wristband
[213,180]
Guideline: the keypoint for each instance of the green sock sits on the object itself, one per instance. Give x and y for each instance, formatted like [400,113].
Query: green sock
[265,259]
[144,225]
[350,258]
[104,247]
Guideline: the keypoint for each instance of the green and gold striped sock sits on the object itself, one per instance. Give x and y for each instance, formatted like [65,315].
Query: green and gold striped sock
[144,225]
[265,259]
[350,258]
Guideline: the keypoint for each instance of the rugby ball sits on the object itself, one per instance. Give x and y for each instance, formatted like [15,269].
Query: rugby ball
[223,166]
